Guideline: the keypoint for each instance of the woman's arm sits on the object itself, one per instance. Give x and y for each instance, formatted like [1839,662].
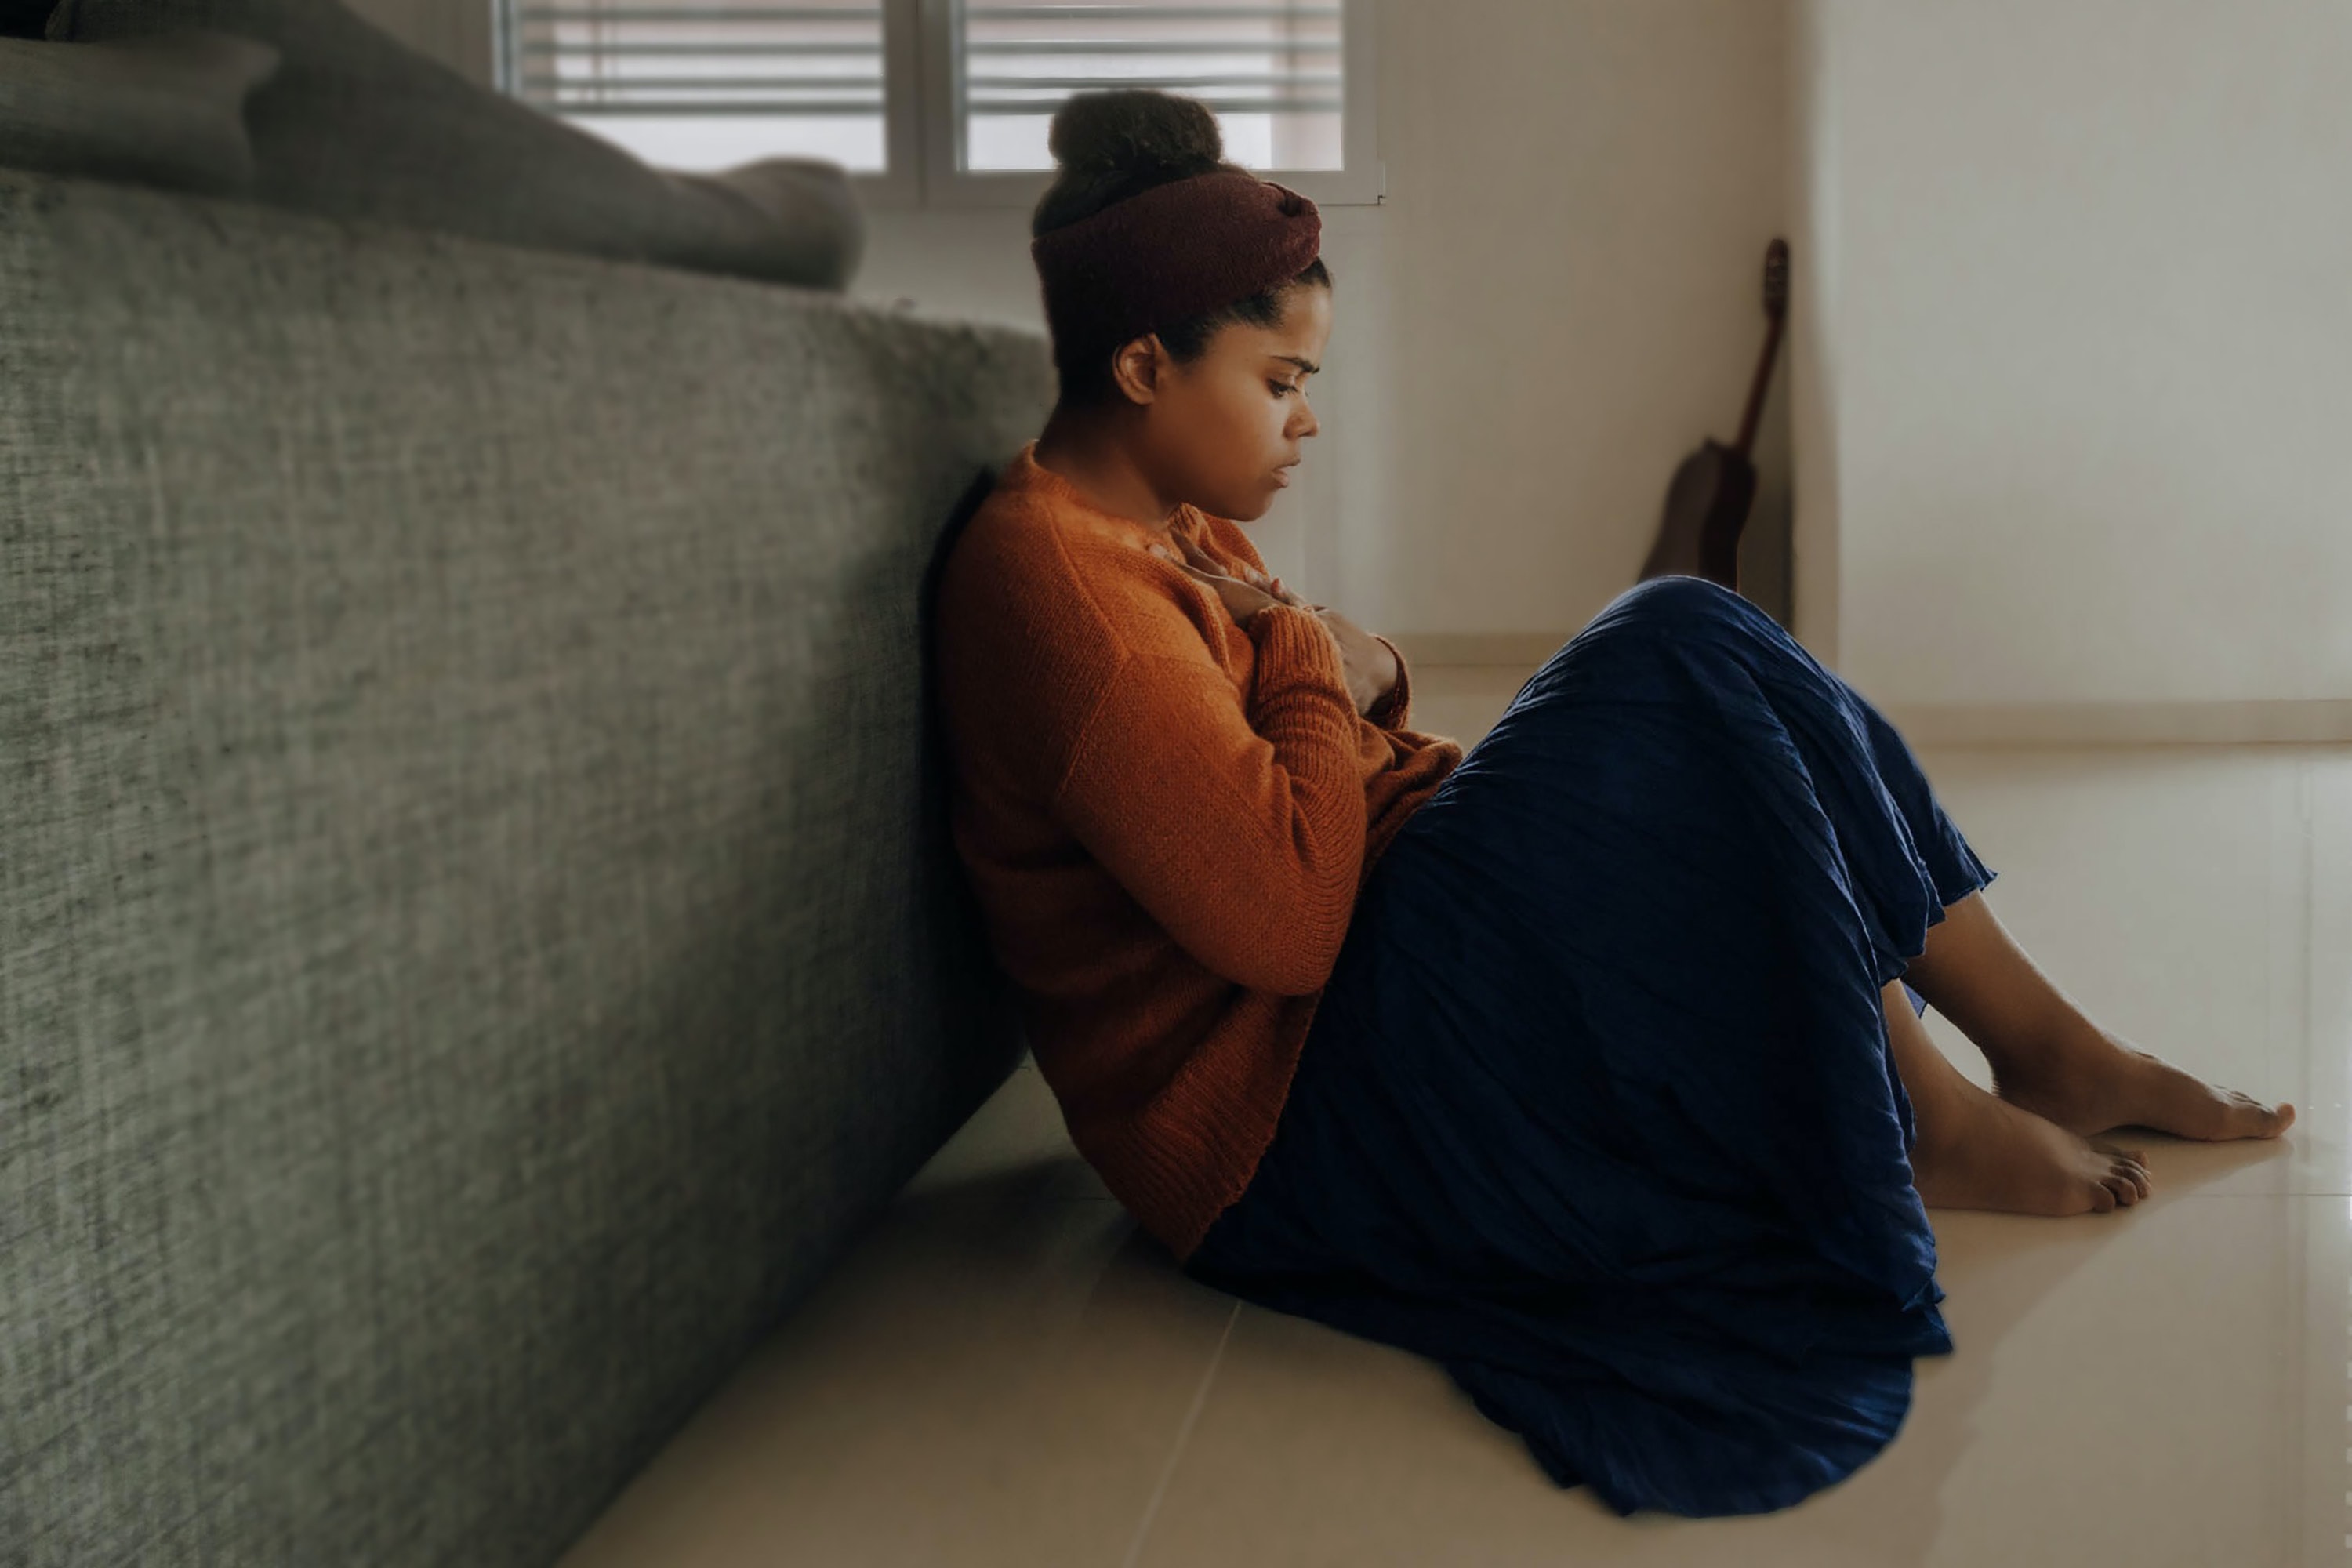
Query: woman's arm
[1394,710]
[1371,662]
[1372,666]
[1240,833]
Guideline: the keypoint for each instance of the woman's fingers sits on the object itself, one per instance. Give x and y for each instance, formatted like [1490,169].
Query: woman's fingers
[1268,583]
[1241,600]
[1243,587]
[1263,582]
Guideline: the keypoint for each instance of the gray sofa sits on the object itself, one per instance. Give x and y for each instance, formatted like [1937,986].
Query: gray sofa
[479,936]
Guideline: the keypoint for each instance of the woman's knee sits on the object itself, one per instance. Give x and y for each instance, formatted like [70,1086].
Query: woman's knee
[1681,611]
[1679,599]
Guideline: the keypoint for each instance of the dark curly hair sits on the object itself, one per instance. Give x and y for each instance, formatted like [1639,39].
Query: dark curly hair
[1108,146]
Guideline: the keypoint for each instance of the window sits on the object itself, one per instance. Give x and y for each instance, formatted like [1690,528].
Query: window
[944,102]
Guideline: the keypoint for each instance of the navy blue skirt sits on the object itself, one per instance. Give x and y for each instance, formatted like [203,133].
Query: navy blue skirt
[1598,1109]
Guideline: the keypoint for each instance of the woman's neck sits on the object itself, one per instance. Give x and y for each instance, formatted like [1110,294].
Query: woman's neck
[1086,450]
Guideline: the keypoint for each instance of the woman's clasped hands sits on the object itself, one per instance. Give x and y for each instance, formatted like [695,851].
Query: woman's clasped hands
[1370,667]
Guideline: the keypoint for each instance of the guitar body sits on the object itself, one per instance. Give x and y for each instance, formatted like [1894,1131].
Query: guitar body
[1715,486]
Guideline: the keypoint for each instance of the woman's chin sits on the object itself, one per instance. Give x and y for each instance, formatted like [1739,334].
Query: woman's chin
[1246,508]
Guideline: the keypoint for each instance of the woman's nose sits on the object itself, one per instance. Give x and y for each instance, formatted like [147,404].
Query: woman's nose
[1306,424]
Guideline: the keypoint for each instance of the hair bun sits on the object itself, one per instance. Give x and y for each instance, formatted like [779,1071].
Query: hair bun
[1135,130]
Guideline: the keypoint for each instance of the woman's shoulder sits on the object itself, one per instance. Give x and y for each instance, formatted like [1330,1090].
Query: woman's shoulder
[1031,511]
[1022,540]
[1042,572]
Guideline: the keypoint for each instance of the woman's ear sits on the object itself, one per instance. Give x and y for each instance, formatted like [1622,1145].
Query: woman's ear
[1136,367]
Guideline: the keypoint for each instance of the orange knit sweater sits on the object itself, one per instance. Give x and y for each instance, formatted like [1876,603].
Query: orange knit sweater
[1166,820]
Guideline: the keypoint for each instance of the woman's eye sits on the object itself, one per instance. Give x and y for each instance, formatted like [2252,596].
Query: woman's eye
[1280,387]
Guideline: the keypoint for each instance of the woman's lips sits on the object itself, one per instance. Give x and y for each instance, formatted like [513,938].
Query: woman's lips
[1282,475]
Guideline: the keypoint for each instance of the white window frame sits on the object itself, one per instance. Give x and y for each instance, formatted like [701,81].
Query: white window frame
[941,127]
[922,130]
[902,110]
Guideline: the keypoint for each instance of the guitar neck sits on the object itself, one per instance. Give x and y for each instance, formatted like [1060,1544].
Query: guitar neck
[1756,388]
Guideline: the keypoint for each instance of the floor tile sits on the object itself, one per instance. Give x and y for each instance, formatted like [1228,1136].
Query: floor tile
[2159,1385]
[2184,898]
[977,1383]
[1016,1143]
[1007,1371]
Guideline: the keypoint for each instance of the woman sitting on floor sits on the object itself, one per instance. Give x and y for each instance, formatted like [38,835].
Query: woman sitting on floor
[1584,1064]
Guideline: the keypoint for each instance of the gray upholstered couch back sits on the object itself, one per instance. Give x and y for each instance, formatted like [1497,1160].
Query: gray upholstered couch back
[478,932]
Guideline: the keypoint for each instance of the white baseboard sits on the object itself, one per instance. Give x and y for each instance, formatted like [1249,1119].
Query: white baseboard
[2290,721]
[1473,661]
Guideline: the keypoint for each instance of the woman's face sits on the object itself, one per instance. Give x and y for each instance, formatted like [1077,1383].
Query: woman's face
[1223,431]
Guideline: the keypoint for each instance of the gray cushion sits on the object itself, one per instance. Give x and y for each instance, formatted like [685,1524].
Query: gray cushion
[163,110]
[357,125]
[797,216]
[479,933]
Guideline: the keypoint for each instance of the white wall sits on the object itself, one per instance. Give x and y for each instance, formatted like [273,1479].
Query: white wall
[2077,373]
[1581,193]
[1815,249]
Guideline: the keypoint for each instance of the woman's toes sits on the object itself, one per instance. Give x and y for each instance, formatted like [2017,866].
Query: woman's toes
[2131,1166]
[2121,1172]
[2237,1115]
[2257,1120]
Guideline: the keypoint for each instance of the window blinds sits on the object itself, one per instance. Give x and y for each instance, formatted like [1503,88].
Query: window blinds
[1272,73]
[701,83]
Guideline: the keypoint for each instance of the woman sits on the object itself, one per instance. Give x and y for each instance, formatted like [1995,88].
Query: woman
[1584,1064]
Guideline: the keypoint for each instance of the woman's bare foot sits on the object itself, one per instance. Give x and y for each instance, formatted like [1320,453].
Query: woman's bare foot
[1976,1152]
[2090,1080]
[2050,1057]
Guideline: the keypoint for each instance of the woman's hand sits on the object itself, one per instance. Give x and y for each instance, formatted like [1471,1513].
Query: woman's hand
[1243,598]
[1371,668]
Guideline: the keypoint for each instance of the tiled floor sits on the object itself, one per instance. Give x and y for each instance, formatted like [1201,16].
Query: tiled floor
[1007,1373]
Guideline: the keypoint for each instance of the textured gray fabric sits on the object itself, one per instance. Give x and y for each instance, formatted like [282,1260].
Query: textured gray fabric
[478,934]
[357,125]
[166,111]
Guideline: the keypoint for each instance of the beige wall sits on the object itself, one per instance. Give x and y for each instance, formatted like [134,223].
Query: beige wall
[2073,400]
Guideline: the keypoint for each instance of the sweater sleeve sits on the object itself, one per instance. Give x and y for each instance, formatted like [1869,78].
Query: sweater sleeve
[1394,710]
[1241,834]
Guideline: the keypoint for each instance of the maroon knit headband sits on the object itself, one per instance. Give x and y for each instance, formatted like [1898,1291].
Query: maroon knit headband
[1172,251]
